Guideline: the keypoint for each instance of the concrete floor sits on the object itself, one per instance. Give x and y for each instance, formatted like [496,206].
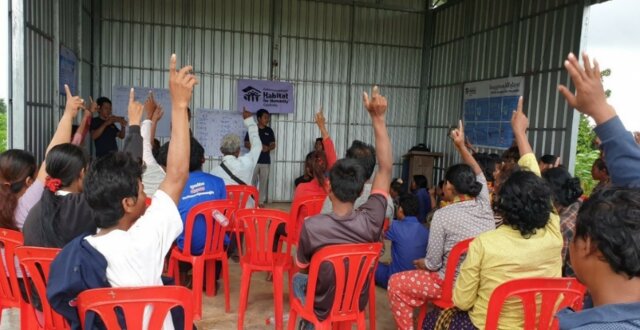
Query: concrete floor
[260,306]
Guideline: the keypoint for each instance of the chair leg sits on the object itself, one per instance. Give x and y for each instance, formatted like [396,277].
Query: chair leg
[174,271]
[293,315]
[210,273]
[372,305]
[245,282]
[421,315]
[362,325]
[197,277]
[278,283]
[225,280]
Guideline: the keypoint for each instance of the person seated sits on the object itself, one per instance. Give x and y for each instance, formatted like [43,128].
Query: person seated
[62,213]
[604,252]
[365,155]
[419,187]
[347,224]
[132,241]
[408,240]
[235,169]
[600,173]
[548,161]
[566,192]
[528,244]
[308,176]
[200,187]
[395,190]
[468,215]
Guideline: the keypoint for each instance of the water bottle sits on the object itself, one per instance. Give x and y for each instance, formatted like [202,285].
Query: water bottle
[220,218]
[272,319]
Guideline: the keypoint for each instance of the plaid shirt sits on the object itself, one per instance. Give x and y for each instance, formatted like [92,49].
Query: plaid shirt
[568,217]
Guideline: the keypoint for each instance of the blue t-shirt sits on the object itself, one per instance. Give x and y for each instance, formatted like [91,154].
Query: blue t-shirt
[424,204]
[201,187]
[605,317]
[408,242]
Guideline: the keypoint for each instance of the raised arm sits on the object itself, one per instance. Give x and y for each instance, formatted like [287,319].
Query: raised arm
[181,85]
[133,143]
[83,129]
[63,132]
[255,145]
[457,135]
[327,143]
[148,130]
[519,124]
[377,107]
[621,153]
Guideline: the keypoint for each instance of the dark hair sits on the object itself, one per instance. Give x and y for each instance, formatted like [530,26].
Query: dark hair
[601,165]
[64,162]
[503,175]
[523,202]
[441,184]
[111,179]
[548,159]
[409,204]
[318,139]
[261,113]
[565,188]
[316,162]
[610,219]
[102,100]
[396,185]
[511,155]
[347,180]
[462,178]
[487,164]
[365,154]
[421,181]
[15,166]
[162,154]
[197,155]
[155,148]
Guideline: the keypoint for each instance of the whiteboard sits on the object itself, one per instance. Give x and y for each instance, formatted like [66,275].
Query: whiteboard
[120,99]
[211,125]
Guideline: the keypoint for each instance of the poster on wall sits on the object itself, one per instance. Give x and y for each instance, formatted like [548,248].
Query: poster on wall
[488,106]
[120,99]
[212,125]
[68,68]
[274,96]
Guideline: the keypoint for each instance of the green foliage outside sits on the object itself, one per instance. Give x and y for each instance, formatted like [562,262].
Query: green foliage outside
[586,151]
[3,126]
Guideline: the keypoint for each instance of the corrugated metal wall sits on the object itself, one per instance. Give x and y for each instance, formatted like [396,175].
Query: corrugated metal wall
[330,51]
[481,40]
[48,25]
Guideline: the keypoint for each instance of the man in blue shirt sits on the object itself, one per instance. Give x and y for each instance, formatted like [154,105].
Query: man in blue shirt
[200,187]
[408,240]
[604,252]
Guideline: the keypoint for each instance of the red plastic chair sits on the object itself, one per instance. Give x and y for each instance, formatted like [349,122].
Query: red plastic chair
[36,262]
[9,288]
[240,194]
[260,228]
[354,266]
[551,294]
[302,208]
[133,302]
[446,298]
[204,264]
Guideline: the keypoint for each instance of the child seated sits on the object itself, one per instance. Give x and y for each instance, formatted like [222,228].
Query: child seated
[408,240]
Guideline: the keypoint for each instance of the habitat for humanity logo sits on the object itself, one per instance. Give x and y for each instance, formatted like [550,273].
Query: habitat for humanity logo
[252,94]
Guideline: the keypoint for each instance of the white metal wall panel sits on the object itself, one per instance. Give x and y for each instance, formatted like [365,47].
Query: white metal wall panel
[481,40]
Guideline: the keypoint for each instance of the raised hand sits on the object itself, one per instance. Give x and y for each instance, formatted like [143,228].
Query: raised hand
[74,103]
[157,114]
[377,106]
[589,97]
[93,106]
[181,84]
[457,135]
[135,110]
[246,114]
[319,117]
[150,105]
[519,121]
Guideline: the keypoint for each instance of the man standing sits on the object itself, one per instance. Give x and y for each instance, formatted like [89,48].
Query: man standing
[268,139]
[103,130]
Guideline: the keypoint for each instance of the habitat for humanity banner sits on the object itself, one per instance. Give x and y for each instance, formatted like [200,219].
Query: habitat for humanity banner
[274,96]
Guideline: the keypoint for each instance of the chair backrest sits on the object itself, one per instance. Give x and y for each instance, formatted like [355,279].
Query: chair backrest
[240,194]
[300,209]
[133,302]
[36,262]
[452,265]
[550,294]
[353,266]
[260,227]
[9,289]
[214,239]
